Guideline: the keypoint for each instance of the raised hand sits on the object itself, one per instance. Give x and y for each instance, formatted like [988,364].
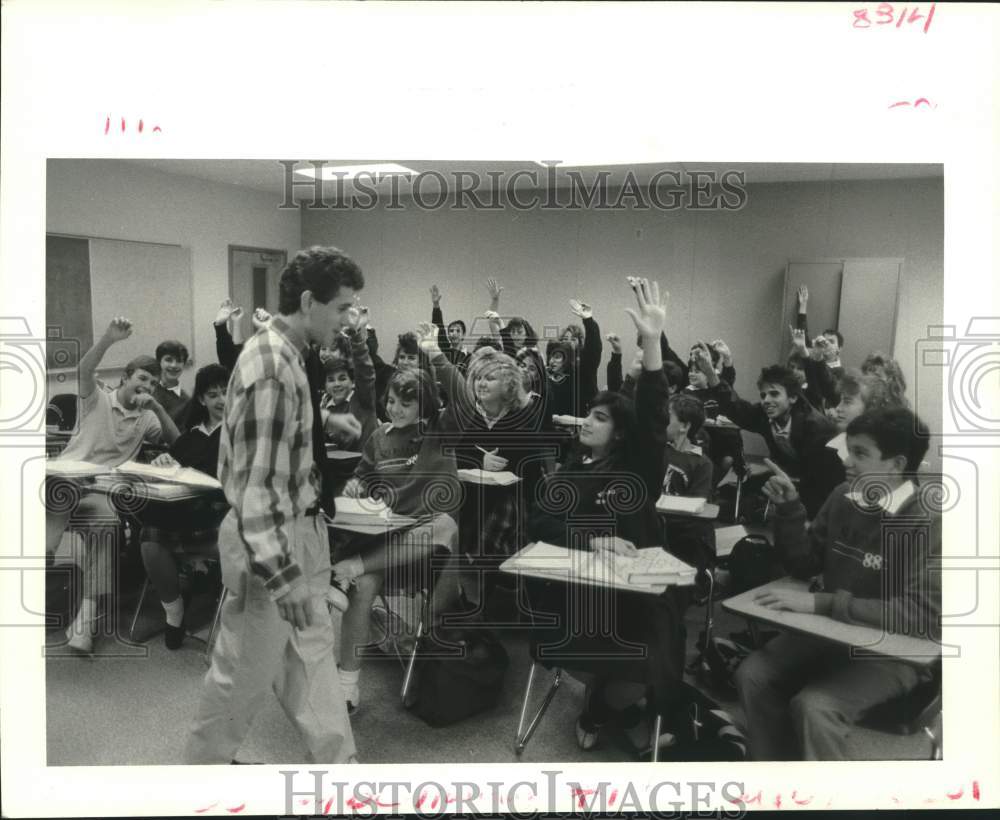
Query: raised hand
[798,339]
[652,314]
[635,367]
[427,338]
[723,349]
[119,328]
[581,309]
[345,424]
[803,294]
[616,342]
[227,311]
[779,487]
[260,318]
[494,289]
[702,358]
[435,294]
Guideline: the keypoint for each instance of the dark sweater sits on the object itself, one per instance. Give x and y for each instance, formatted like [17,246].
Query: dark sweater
[176,406]
[609,496]
[361,403]
[589,363]
[878,568]
[817,466]
[195,449]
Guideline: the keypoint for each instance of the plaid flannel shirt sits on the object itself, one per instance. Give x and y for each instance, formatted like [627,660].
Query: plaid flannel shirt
[266,462]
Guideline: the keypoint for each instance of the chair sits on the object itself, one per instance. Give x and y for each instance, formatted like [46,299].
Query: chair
[63,407]
[917,711]
[525,727]
[223,592]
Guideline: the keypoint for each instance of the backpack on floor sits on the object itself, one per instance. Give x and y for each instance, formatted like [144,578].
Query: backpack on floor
[709,732]
[753,562]
[452,688]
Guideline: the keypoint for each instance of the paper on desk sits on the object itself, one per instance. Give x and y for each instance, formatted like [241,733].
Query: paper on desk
[680,504]
[479,476]
[68,468]
[726,538]
[174,474]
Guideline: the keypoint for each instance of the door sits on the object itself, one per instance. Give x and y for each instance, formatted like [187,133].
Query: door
[253,278]
[823,277]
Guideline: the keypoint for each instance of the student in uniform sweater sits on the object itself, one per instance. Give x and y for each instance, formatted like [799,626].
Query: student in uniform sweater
[877,545]
[405,465]
[192,528]
[688,473]
[347,406]
[795,433]
[173,357]
[613,479]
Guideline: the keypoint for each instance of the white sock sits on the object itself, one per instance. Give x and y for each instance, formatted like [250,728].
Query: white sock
[349,683]
[84,622]
[175,611]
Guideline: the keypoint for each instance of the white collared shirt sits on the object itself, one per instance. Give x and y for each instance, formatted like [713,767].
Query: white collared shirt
[839,443]
[208,430]
[176,389]
[889,503]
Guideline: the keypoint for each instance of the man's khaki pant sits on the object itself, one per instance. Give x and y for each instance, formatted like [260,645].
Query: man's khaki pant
[256,650]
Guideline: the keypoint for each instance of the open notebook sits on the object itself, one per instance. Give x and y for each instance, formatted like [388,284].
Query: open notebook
[500,478]
[680,504]
[652,570]
[66,468]
[353,512]
[174,475]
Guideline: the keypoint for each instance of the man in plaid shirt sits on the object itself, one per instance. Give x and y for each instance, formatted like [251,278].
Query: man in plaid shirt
[275,626]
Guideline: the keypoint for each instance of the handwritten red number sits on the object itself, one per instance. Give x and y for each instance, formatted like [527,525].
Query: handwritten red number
[884,10]
[930,16]
[975,783]
[861,15]
[902,17]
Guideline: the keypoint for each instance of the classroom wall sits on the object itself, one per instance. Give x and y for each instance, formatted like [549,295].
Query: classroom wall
[117,200]
[724,269]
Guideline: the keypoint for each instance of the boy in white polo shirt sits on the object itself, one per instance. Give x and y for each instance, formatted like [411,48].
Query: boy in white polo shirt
[112,428]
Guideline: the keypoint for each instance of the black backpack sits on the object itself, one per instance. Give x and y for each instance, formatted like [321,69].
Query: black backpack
[753,562]
[450,689]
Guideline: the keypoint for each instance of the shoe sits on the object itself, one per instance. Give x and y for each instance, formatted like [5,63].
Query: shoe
[336,596]
[587,732]
[174,636]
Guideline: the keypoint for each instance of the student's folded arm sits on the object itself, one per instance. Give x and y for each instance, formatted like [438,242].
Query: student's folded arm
[265,513]
[615,372]
[801,550]
[226,350]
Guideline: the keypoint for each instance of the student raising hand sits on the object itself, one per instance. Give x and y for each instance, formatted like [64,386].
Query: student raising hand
[616,342]
[119,329]
[779,487]
[427,338]
[799,340]
[581,309]
[260,318]
[652,314]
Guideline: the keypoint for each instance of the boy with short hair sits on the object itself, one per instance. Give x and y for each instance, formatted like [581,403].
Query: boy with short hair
[875,543]
[795,433]
[172,356]
[112,428]
[348,403]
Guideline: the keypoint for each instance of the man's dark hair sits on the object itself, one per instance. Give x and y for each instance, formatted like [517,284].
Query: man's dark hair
[171,347]
[776,374]
[320,270]
[896,431]
[674,374]
[831,332]
[335,365]
[460,323]
[407,343]
[690,411]
[147,363]
[211,376]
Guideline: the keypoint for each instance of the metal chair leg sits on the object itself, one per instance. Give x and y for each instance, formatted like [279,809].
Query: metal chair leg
[215,624]
[424,617]
[739,494]
[138,609]
[524,735]
[657,728]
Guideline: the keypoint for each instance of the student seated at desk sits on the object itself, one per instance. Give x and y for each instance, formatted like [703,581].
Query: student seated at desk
[795,433]
[688,472]
[172,357]
[191,527]
[404,465]
[111,430]
[619,458]
[801,695]
[347,406]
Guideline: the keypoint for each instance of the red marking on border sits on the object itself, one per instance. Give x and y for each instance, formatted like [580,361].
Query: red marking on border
[955,796]
[201,811]
[777,802]
[237,809]
[328,806]
[123,125]
[157,128]
[107,125]
[140,126]
[975,789]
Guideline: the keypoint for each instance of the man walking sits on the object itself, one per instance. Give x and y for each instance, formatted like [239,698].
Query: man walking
[275,628]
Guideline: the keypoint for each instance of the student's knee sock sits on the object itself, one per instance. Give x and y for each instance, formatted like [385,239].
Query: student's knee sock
[174,610]
[349,683]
